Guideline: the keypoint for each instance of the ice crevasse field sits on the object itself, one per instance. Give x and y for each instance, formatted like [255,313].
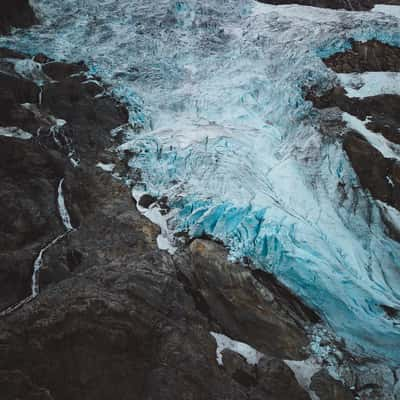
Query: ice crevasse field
[221,127]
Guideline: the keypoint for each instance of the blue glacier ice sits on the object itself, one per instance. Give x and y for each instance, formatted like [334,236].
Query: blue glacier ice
[216,88]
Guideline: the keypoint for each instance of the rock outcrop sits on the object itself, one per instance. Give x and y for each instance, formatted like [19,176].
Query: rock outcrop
[366,56]
[31,170]
[15,13]
[351,5]
[380,114]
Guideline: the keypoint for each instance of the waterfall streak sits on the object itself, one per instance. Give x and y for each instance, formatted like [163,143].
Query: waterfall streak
[38,263]
[62,209]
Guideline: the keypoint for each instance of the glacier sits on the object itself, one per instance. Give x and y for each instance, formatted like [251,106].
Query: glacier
[220,127]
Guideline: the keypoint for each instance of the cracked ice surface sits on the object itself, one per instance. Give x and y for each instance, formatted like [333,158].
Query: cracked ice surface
[227,136]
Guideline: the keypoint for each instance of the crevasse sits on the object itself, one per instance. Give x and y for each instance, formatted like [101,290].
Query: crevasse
[216,87]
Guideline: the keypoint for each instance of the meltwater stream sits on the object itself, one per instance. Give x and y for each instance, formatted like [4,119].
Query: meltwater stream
[214,89]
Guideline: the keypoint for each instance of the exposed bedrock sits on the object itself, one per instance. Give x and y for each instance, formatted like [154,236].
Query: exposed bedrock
[377,116]
[368,56]
[116,317]
[30,170]
[15,13]
[352,5]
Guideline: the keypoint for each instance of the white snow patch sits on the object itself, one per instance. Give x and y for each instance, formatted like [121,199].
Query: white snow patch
[60,123]
[391,10]
[106,167]
[165,239]
[391,213]
[92,81]
[304,370]
[55,130]
[30,69]
[384,146]
[389,180]
[75,163]
[367,84]
[15,132]
[63,209]
[296,12]
[251,355]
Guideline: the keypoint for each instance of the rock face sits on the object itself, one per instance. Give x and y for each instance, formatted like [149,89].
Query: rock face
[380,114]
[368,56]
[30,170]
[351,5]
[328,388]
[378,174]
[116,317]
[15,13]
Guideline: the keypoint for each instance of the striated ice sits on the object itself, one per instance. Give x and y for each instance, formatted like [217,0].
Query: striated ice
[216,87]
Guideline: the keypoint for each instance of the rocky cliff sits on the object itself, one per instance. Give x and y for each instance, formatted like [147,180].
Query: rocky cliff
[115,316]
[93,309]
[378,172]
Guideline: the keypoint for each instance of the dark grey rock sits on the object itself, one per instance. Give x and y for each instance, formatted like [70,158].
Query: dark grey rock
[378,175]
[328,388]
[15,13]
[116,317]
[351,5]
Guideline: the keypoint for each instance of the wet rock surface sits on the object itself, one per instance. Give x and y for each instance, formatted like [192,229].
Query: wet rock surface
[15,13]
[351,5]
[116,317]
